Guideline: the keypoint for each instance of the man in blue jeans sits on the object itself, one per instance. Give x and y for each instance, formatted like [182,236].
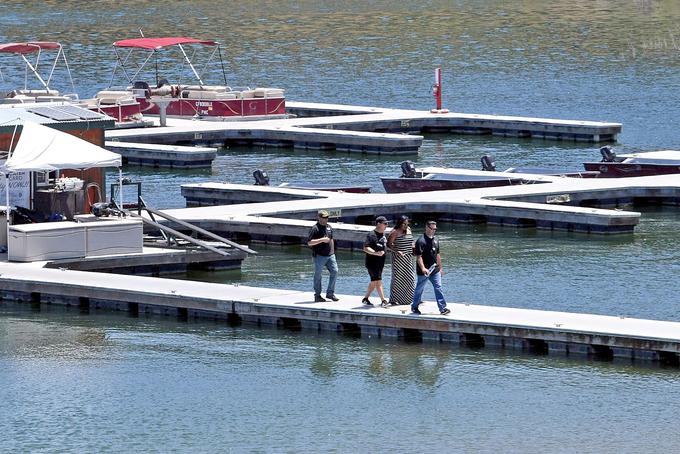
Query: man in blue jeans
[429,267]
[320,239]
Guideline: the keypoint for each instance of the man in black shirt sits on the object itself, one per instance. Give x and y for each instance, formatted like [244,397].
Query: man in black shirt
[320,239]
[429,267]
[374,247]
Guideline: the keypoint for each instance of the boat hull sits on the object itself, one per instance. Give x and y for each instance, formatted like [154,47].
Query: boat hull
[217,108]
[328,187]
[622,170]
[124,114]
[397,185]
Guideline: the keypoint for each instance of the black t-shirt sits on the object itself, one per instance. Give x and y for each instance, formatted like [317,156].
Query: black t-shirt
[320,231]
[377,242]
[428,248]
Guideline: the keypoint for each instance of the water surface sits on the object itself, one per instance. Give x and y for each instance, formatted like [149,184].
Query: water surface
[108,383]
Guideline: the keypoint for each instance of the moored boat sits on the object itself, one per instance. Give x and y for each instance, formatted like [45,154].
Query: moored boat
[124,108]
[662,162]
[197,99]
[445,178]
[262,179]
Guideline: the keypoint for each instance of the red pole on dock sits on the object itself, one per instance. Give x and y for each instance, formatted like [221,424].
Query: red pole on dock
[437,90]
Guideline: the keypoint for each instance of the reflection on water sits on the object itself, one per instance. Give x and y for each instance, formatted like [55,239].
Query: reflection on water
[203,386]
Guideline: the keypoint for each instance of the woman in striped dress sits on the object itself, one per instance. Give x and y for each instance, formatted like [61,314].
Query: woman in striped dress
[400,242]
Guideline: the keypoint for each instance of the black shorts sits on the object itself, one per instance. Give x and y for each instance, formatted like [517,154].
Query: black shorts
[375,272]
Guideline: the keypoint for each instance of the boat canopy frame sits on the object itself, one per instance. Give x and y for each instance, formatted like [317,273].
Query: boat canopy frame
[23,49]
[155,45]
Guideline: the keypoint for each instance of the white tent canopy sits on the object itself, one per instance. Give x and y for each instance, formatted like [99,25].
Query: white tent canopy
[42,148]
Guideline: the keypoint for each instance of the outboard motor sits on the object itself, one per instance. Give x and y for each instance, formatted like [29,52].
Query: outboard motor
[488,163]
[408,169]
[608,154]
[140,85]
[261,178]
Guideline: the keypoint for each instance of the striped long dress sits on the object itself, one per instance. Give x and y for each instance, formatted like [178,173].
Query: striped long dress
[403,271]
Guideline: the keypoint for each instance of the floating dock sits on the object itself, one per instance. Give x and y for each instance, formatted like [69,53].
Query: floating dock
[359,118]
[170,156]
[361,129]
[542,332]
[155,261]
[275,214]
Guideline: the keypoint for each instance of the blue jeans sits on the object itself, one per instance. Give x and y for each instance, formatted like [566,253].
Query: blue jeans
[436,280]
[321,261]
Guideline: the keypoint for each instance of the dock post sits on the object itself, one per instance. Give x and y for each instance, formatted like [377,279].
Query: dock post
[437,90]
[162,107]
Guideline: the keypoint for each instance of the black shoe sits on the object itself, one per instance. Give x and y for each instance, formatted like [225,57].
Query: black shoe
[415,311]
[333,297]
[319,299]
[446,311]
[366,302]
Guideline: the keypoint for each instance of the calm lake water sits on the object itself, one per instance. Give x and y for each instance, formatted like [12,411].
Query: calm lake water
[72,382]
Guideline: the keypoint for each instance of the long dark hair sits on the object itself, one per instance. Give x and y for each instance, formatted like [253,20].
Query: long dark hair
[400,222]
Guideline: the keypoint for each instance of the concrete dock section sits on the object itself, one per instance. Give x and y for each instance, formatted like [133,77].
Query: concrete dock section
[568,204]
[170,156]
[364,130]
[543,332]
[415,121]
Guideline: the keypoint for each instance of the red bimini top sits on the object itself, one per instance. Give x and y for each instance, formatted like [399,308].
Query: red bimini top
[159,43]
[28,48]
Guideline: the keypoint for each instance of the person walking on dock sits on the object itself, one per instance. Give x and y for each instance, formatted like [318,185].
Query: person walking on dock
[429,267]
[321,241]
[400,242]
[374,247]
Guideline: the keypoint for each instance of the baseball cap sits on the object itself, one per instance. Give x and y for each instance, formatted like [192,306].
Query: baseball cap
[381,220]
[323,213]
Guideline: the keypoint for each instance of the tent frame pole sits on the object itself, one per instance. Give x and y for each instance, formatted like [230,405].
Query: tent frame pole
[120,186]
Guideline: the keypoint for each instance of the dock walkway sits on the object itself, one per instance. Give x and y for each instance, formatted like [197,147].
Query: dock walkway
[361,129]
[170,156]
[544,332]
[275,214]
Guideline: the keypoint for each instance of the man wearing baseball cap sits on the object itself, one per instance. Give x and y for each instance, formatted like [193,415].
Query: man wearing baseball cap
[320,239]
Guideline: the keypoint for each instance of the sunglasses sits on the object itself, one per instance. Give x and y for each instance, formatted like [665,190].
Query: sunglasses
[323,217]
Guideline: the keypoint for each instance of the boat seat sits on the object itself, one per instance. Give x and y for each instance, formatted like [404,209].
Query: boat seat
[38,92]
[165,90]
[125,101]
[113,96]
[268,93]
[52,99]
[15,100]
[208,95]
[213,88]
[247,94]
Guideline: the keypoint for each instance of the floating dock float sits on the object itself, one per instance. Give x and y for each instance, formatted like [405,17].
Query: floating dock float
[542,332]
[414,121]
[270,133]
[361,129]
[170,156]
[272,214]
[155,261]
